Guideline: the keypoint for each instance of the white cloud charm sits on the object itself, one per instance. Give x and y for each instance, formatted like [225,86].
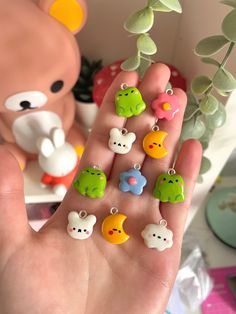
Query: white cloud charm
[157,236]
[121,141]
[80,225]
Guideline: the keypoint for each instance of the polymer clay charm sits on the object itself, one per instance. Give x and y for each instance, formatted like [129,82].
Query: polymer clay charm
[153,143]
[91,182]
[166,105]
[157,236]
[80,225]
[169,187]
[112,227]
[129,102]
[132,181]
[121,140]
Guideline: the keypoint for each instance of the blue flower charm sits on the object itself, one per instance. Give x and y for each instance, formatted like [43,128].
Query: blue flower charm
[132,181]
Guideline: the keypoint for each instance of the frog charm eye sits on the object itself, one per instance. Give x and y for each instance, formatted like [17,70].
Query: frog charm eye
[129,102]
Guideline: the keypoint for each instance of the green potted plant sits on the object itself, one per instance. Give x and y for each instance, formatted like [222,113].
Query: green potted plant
[86,109]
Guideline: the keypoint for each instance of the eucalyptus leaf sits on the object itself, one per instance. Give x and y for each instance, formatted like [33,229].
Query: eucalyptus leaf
[200,179]
[194,128]
[205,165]
[146,45]
[131,64]
[173,5]
[223,80]
[231,3]
[205,145]
[218,119]
[144,65]
[156,5]
[207,135]
[229,26]
[208,105]
[210,45]
[200,84]
[140,22]
[211,61]
[192,106]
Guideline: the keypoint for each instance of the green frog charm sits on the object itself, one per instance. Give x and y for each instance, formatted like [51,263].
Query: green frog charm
[169,187]
[129,102]
[91,182]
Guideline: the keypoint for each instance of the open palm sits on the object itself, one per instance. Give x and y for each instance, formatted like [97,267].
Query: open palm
[49,272]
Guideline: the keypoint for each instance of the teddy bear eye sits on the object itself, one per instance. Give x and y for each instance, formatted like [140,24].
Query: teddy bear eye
[57,86]
[164,239]
[123,145]
[176,180]
[87,171]
[120,95]
[132,91]
[164,179]
[98,174]
[153,235]
[114,143]
[85,230]
[74,228]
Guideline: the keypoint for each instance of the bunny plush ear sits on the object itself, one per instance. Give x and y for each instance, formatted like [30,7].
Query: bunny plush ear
[45,146]
[71,13]
[58,137]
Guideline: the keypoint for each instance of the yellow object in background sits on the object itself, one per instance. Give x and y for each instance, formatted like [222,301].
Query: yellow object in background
[112,228]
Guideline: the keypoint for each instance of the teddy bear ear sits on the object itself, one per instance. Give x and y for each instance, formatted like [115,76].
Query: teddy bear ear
[115,132]
[71,13]
[131,136]
[73,216]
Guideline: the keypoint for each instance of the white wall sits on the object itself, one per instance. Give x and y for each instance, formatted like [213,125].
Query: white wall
[104,36]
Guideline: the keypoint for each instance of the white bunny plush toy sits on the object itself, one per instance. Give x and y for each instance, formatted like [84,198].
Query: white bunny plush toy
[59,161]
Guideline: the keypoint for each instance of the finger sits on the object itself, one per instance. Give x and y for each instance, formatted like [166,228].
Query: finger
[96,150]
[13,222]
[153,167]
[187,165]
[153,83]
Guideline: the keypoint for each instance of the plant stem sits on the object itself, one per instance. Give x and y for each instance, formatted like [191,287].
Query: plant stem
[226,58]
[223,63]
[192,115]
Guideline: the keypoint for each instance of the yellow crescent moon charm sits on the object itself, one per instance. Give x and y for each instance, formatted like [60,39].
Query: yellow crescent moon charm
[153,144]
[112,227]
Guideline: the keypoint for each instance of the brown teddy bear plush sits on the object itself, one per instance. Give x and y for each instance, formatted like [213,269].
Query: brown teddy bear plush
[39,64]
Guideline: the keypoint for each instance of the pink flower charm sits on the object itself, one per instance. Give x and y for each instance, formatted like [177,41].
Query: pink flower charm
[166,105]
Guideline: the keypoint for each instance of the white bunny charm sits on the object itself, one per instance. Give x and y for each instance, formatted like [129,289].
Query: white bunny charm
[120,141]
[59,161]
[80,225]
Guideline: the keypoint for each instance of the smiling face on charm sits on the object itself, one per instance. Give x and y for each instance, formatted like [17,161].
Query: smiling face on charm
[153,144]
[112,229]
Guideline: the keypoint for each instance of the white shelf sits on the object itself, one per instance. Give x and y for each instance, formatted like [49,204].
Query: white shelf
[34,193]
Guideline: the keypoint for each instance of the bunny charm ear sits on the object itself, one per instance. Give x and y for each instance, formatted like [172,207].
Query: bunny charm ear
[71,13]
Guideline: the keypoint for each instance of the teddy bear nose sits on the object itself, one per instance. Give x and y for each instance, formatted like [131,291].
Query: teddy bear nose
[25,104]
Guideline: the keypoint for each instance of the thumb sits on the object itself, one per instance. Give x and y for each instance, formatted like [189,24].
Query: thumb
[13,218]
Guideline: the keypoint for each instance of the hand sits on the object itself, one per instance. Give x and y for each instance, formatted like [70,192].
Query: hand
[50,273]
